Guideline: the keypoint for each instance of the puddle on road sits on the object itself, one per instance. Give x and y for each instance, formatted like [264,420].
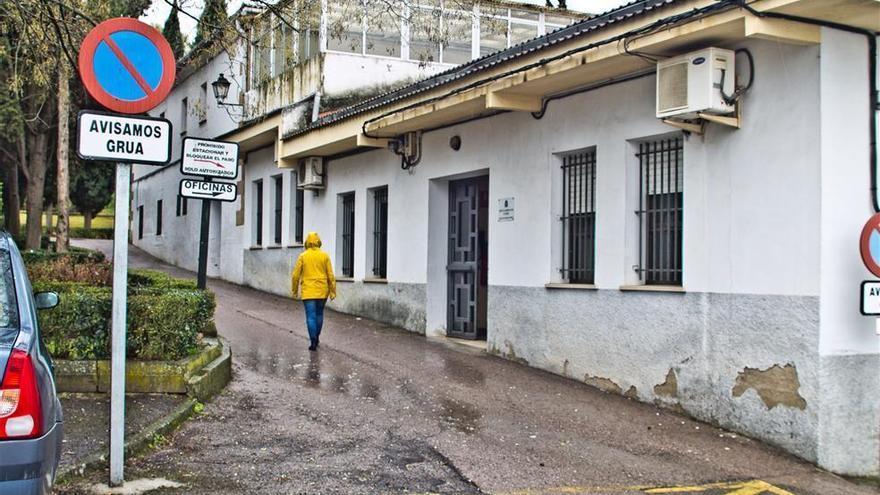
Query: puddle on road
[463,417]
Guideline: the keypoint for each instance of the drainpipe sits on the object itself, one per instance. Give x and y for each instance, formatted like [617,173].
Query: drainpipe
[873,96]
[316,106]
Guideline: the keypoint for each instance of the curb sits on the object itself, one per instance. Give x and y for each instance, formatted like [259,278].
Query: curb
[213,377]
[135,444]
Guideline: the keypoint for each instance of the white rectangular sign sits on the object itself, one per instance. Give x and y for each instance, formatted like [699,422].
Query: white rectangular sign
[119,138]
[201,189]
[505,209]
[209,158]
[870,298]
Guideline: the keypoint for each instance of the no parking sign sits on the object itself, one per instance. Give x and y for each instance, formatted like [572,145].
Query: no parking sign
[126,65]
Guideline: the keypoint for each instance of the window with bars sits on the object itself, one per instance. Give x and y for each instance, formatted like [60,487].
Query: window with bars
[141,222]
[277,191]
[159,217]
[348,235]
[579,216]
[380,232]
[258,213]
[296,210]
[661,185]
[181,206]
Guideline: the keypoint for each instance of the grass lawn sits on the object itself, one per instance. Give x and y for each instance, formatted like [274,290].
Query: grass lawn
[101,221]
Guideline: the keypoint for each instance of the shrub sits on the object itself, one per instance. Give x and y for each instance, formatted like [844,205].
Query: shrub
[81,233]
[155,279]
[65,268]
[163,324]
[76,255]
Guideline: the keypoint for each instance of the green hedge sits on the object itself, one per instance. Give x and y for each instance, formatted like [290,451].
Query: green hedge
[76,255]
[93,233]
[163,324]
[141,277]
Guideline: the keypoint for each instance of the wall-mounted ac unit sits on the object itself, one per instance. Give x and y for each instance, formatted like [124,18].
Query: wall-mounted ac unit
[691,84]
[311,173]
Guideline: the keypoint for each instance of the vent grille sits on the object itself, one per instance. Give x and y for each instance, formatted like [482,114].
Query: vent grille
[673,87]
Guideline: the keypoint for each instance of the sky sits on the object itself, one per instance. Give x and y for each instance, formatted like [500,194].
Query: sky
[158,12]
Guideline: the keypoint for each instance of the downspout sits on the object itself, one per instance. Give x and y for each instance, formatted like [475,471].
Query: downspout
[873,97]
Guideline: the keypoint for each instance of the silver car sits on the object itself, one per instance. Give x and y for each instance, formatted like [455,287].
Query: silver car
[31,426]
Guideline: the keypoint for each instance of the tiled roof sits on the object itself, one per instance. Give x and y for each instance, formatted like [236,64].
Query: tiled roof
[589,25]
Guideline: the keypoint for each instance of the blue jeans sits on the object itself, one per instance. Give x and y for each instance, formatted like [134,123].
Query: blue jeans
[314,317]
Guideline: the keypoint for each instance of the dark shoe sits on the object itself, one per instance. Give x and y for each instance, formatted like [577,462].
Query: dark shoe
[317,341]
[313,347]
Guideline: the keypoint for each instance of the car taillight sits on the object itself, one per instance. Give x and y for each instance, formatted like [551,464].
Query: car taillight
[20,413]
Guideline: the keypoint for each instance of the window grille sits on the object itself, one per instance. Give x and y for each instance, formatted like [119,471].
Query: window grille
[348,235]
[297,217]
[276,219]
[579,217]
[660,211]
[159,217]
[141,222]
[380,232]
[258,217]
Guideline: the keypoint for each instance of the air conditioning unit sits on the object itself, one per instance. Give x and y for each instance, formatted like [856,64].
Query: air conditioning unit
[691,84]
[311,173]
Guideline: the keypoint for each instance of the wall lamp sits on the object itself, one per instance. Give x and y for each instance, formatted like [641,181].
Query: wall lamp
[221,91]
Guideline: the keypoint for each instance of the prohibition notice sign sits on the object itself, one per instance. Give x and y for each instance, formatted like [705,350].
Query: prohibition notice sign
[126,65]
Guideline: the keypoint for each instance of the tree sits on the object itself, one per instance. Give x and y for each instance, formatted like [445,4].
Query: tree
[171,32]
[91,189]
[212,21]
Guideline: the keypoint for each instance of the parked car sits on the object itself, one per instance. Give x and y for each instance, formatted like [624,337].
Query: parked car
[31,426]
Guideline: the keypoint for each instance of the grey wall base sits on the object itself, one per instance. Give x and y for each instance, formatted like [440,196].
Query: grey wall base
[745,362]
[401,305]
[269,269]
[849,424]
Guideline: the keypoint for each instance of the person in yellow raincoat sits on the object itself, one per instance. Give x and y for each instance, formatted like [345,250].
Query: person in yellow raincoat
[314,270]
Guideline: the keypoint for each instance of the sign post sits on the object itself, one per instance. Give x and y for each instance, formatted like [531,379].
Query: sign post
[208,159]
[127,67]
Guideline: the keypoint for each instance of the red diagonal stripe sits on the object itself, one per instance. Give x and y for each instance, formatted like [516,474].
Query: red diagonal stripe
[128,65]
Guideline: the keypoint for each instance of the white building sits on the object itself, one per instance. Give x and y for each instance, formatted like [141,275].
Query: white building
[697,265]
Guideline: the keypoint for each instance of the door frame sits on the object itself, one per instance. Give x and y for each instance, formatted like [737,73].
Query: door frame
[478,266]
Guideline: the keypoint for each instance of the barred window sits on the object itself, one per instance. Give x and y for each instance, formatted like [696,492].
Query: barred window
[348,235]
[277,200]
[296,213]
[579,217]
[661,188]
[159,217]
[380,232]
[141,222]
[258,212]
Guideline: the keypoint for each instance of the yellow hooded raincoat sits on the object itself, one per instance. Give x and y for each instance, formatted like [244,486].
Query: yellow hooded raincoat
[313,268]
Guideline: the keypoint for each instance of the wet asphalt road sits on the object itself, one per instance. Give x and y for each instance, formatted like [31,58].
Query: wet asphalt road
[380,410]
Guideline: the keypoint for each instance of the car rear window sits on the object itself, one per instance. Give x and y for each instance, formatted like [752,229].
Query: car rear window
[8,301]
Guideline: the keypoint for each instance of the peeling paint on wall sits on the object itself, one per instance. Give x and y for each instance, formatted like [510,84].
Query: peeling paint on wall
[777,385]
[603,384]
[669,388]
[632,393]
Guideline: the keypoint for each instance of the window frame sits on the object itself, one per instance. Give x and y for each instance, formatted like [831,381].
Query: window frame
[578,216]
[379,233]
[158,217]
[257,236]
[277,208]
[661,211]
[348,217]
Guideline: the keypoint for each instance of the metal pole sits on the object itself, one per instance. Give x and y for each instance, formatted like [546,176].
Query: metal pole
[201,281]
[120,297]
[203,244]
